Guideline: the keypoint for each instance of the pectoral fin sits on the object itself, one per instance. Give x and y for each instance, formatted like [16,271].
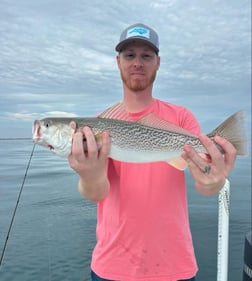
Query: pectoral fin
[178,163]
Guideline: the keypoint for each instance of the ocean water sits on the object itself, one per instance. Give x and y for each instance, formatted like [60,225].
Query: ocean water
[53,232]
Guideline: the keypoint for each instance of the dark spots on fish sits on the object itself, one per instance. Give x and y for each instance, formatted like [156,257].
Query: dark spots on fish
[50,147]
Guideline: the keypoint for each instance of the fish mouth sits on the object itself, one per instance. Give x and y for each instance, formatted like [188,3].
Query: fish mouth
[36,131]
[36,135]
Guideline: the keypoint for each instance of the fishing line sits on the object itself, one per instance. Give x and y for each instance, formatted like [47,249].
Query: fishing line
[15,209]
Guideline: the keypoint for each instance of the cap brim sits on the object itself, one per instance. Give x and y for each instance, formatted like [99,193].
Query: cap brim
[120,46]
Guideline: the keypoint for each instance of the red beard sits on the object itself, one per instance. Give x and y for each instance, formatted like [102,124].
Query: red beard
[136,84]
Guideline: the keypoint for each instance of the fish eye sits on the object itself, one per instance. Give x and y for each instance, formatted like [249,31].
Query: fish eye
[47,123]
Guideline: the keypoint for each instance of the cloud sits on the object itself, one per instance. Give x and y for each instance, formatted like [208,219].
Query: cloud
[59,55]
[30,116]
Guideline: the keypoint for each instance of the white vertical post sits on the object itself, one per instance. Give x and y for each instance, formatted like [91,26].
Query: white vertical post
[223,232]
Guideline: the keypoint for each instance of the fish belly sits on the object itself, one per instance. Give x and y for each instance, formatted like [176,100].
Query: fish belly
[141,156]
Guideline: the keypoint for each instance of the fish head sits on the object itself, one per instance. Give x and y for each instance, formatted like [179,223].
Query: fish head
[53,134]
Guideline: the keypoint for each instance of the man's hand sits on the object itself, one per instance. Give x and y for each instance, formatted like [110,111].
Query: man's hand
[90,163]
[210,170]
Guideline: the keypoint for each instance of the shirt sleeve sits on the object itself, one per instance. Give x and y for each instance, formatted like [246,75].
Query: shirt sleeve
[189,122]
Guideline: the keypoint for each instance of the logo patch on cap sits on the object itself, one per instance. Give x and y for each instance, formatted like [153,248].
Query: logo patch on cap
[138,31]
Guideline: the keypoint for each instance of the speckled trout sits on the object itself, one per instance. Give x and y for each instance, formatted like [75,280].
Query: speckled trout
[149,139]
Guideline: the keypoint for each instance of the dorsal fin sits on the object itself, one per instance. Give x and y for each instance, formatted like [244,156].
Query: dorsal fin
[152,120]
[116,111]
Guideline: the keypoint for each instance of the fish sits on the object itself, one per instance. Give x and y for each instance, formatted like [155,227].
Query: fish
[149,139]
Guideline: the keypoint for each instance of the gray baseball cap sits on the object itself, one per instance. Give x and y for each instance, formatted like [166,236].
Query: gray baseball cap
[141,32]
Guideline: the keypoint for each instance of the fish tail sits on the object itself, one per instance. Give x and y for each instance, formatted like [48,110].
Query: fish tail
[233,129]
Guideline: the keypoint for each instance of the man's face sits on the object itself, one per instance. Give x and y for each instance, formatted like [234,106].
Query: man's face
[138,65]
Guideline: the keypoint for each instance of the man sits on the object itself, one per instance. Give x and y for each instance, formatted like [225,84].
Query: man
[142,227]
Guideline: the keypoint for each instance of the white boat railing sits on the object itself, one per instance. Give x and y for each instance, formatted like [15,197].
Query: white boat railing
[223,232]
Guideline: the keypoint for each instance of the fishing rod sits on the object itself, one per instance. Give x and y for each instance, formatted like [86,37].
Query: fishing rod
[16,206]
[223,232]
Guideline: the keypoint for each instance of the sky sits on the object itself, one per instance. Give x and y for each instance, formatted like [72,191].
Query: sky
[57,57]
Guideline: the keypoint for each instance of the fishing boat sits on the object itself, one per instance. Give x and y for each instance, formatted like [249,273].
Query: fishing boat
[247,265]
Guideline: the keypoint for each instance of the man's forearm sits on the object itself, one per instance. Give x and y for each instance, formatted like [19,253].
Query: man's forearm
[95,190]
